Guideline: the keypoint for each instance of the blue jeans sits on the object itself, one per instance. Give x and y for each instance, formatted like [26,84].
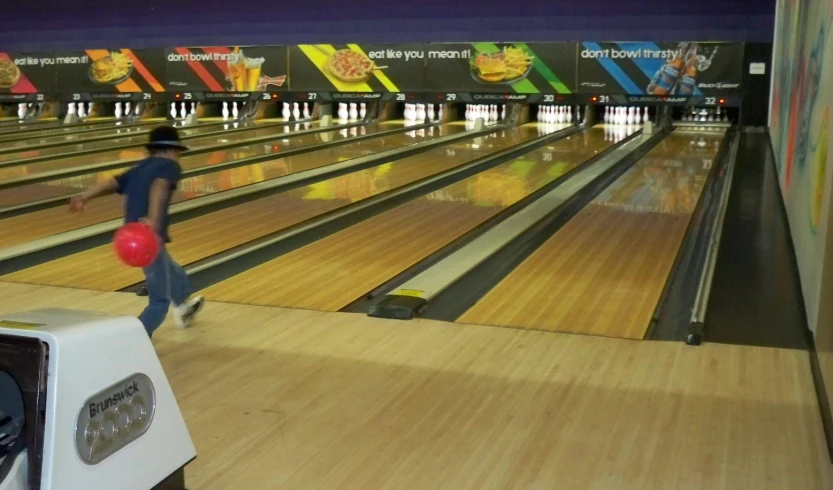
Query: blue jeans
[167,283]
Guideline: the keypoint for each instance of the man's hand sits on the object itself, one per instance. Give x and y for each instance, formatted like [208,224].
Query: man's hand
[76,204]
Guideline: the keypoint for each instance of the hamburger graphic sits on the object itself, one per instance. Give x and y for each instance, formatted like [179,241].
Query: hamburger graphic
[9,74]
[507,66]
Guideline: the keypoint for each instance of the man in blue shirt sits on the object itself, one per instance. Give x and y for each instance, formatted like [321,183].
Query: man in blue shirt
[148,188]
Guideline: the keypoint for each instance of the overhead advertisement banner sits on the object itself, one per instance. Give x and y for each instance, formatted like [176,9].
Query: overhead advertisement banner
[227,69]
[522,68]
[357,68]
[25,74]
[116,74]
[661,69]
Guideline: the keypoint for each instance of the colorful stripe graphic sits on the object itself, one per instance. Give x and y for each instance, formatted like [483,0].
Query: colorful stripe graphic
[142,70]
[209,81]
[545,71]
[616,72]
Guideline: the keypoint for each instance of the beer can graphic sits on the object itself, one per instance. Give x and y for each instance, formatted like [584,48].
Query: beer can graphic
[689,80]
[665,79]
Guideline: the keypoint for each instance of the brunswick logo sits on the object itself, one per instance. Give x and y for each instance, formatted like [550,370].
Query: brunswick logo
[114,399]
[114,417]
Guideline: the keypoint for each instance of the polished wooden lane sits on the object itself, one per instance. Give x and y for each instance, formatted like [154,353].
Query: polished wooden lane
[10,126]
[131,137]
[70,131]
[332,272]
[48,222]
[121,134]
[218,231]
[298,399]
[61,187]
[132,154]
[604,271]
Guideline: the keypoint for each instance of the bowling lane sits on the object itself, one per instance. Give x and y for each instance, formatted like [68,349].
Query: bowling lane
[68,131]
[14,125]
[68,186]
[604,271]
[119,136]
[40,224]
[218,231]
[63,154]
[331,273]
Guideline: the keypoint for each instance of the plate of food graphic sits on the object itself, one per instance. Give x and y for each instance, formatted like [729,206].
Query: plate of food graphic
[507,66]
[350,66]
[9,74]
[111,70]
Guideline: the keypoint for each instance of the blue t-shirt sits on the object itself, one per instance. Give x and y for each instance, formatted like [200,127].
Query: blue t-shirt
[135,185]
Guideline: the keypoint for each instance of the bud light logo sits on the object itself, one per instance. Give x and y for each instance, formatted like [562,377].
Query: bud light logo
[114,417]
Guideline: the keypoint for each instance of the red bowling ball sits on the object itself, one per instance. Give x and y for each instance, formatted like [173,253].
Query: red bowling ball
[136,244]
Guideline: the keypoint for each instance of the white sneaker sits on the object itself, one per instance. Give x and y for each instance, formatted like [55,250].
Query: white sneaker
[184,313]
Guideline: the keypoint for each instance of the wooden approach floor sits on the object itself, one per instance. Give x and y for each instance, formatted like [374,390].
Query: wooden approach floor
[294,399]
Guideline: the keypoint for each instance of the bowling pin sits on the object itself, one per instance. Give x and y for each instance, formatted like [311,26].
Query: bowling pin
[354,113]
[127,108]
[645,116]
[118,110]
[629,116]
[440,113]
[285,112]
[22,110]
[234,111]
[606,116]
[183,110]
[306,112]
[503,112]
[71,108]
[225,110]
[362,110]
[569,117]
[296,111]
[420,113]
[342,111]
[81,112]
[193,107]
[173,109]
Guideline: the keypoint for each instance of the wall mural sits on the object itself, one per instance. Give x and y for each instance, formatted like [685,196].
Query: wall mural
[801,133]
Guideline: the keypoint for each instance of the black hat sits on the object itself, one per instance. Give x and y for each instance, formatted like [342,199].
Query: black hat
[164,138]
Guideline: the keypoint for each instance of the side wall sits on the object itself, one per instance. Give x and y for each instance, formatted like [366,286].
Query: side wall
[801,132]
[800,129]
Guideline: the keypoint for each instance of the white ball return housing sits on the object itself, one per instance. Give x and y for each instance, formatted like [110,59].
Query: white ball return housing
[94,406]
